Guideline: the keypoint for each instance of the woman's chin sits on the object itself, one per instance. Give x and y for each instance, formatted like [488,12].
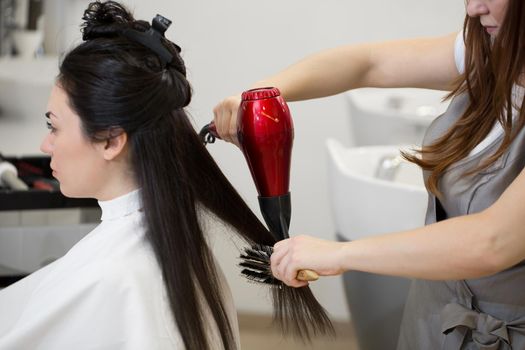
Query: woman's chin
[68,192]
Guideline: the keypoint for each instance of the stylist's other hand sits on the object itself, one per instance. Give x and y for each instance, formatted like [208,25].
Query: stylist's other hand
[305,252]
[225,118]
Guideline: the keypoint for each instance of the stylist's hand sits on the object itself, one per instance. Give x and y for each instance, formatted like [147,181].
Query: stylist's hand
[305,252]
[225,118]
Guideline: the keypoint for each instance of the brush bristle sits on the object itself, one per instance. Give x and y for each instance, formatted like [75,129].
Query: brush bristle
[296,310]
[256,263]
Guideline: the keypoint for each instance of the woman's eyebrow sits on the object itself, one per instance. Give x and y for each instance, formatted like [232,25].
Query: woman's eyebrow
[49,114]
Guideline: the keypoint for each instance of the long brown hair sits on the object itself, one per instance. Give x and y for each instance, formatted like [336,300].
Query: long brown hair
[112,81]
[492,69]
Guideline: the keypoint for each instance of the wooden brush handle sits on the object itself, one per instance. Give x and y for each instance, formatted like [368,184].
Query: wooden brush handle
[307,275]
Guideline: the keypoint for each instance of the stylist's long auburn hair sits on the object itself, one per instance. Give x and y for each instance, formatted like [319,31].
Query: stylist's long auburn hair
[492,68]
[117,84]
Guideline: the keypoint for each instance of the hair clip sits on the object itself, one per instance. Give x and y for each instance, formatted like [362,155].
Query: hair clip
[152,38]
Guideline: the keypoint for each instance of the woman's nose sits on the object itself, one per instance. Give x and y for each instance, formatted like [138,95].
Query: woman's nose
[476,8]
[46,146]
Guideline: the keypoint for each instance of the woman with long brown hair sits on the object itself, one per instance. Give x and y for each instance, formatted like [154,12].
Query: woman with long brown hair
[145,278]
[468,261]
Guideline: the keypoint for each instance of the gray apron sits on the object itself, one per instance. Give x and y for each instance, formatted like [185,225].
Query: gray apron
[484,313]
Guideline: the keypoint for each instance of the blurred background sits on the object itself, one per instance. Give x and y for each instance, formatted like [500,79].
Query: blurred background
[227,46]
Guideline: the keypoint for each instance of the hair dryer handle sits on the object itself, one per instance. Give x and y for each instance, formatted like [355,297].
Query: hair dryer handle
[208,133]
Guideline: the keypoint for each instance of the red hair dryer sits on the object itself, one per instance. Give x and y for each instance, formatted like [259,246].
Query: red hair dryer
[265,132]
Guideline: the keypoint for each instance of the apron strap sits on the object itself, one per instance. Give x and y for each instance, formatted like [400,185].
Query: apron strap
[461,318]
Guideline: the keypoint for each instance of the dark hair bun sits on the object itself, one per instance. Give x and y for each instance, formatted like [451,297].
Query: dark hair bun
[105,19]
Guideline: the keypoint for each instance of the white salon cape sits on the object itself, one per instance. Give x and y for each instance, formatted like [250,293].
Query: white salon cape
[107,292]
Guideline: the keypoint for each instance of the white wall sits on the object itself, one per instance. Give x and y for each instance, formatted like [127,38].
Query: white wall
[229,44]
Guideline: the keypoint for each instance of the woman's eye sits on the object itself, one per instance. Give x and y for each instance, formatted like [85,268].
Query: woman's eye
[50,127]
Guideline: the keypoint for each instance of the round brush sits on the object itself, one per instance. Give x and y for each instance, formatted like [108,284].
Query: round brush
[256,266]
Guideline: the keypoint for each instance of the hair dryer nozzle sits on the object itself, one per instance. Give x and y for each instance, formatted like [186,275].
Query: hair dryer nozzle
[277,212]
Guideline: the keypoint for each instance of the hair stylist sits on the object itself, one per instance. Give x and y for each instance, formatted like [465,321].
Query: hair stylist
[468,261]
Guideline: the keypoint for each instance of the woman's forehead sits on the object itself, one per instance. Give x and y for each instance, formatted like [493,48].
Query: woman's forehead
[58,103]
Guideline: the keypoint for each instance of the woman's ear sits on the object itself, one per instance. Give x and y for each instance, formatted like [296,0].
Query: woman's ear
[115,144]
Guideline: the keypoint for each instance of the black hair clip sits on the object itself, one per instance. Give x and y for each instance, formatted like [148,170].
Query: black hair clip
[152,38]
[160,24]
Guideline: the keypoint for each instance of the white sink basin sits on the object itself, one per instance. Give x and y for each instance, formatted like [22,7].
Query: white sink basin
[364,205]
[393,116]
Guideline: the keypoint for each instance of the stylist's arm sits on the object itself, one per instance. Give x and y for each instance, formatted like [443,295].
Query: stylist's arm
[464,247]
[425,63]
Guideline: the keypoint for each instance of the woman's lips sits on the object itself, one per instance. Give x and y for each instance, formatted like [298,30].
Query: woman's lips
[491,29]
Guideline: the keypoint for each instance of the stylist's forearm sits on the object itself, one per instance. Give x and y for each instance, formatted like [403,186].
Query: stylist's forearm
[458,248]
[327,73]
